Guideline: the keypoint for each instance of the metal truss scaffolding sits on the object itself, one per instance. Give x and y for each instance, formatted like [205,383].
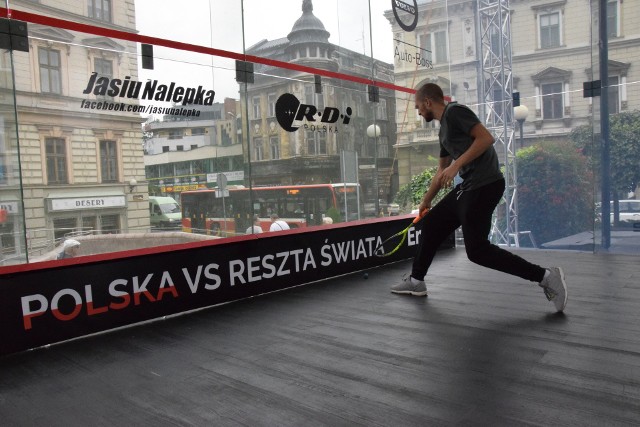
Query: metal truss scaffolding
[496,82]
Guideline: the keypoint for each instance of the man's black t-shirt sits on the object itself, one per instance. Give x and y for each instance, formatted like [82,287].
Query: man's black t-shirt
[455,138]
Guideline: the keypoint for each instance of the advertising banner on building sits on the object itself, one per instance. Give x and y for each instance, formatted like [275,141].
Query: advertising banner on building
[47,302]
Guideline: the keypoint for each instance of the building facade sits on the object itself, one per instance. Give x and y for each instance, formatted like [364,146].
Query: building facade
[318,152]
[75,165]
[550,43]
[184,154]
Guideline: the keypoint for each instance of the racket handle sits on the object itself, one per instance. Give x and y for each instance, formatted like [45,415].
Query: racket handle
[420,216]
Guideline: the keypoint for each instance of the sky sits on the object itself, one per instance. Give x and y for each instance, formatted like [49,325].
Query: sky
[219,24]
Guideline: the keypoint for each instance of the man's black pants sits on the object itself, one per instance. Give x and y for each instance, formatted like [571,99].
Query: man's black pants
[473,211]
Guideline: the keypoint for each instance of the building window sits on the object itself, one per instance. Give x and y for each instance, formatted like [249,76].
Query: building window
[613,10]
[183,168]
[165,149]
[4,173]
[179,147]
[176,134]
[383,147]
[366,147]
[256,107]
[614,94]
[552,103]
[50,74]
[434,47]
[258,149]
[308,95]
[424,41]
[197,131]
[274,146]
[271,100]
[550,30]
[322,143]
[56,154]
[382,110]
[357,100]
[440,47]
[63,227]
[100,9]
[316,143]
[310,137]
[197,166]
[89,224]
[5,160]
[103,67]
[110,224]
[109,161]
[166,171]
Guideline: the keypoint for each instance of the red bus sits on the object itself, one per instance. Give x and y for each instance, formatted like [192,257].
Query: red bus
[231,213]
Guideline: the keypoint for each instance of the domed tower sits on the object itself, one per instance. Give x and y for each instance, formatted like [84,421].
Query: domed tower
[308,39]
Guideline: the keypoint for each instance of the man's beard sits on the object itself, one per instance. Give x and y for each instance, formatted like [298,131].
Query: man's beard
[428,116]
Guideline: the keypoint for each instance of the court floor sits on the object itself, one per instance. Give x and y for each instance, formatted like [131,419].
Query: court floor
[483,348]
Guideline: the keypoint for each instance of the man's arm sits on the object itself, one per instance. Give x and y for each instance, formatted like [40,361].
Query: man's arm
[436,184]
[482,140]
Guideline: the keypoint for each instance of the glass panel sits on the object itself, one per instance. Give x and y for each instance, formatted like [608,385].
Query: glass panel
[100,126]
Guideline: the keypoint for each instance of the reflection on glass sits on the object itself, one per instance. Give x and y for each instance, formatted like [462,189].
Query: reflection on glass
[82,117]
[230,212]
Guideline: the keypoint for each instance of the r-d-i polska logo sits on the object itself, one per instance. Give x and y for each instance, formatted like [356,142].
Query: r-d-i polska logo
[290,113]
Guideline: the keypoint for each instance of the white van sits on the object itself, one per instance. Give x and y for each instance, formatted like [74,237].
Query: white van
[164,212]
[629,211]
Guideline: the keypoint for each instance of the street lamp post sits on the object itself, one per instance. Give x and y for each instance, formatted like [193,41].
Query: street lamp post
[520,113]
[373,131]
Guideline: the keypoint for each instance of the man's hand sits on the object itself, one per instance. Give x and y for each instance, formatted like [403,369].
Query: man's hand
[447,175]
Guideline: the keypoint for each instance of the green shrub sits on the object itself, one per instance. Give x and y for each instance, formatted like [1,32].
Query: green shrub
[410,195]
[555,191]
[334,214]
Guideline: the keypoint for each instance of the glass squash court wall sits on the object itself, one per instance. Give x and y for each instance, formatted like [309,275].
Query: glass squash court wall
[116,103]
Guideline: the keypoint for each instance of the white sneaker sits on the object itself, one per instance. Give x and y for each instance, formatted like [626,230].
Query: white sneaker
[410,286]
[555,288]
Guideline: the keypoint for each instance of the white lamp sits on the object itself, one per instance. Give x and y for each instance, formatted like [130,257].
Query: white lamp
[520,113]
[373,131]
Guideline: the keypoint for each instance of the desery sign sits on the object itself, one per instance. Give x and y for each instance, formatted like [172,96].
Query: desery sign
[49,305]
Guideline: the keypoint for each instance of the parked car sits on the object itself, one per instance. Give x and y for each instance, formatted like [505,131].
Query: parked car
[386,209]
[393,209]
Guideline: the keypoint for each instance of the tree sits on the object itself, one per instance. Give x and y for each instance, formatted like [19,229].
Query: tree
[624,141]
[555,191]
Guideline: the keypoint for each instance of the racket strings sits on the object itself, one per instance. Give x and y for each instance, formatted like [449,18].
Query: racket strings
[392,244]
